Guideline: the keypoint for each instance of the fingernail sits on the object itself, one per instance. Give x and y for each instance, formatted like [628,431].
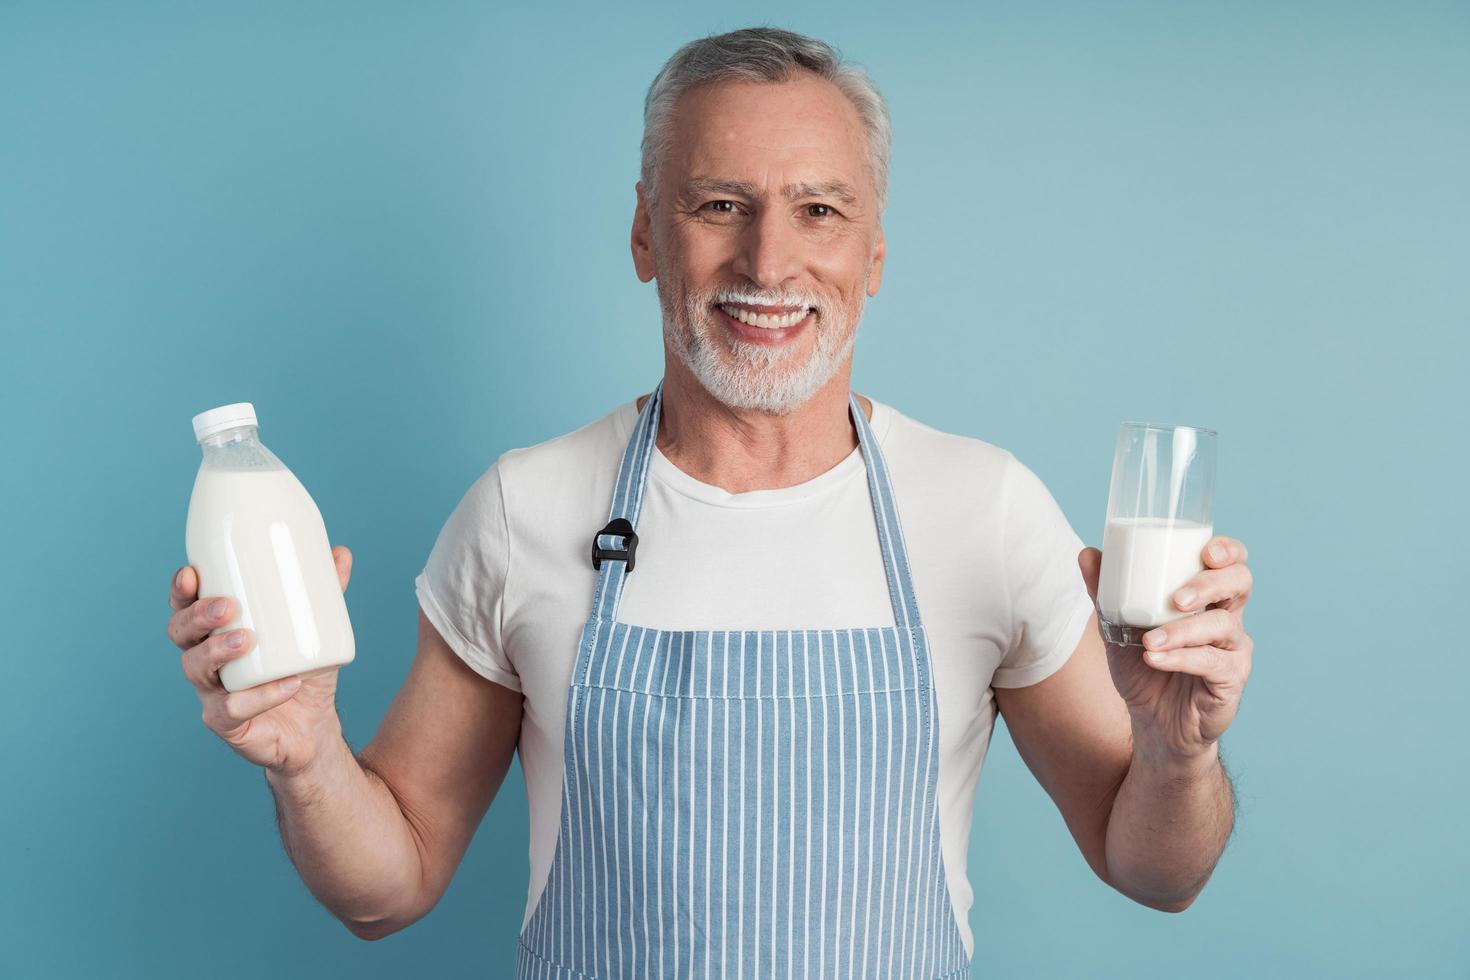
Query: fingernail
[1184,597]
[216,609]
[1217,552]
[290,683]
[1157,656]
[1155,637]
[236,640]
[179,580]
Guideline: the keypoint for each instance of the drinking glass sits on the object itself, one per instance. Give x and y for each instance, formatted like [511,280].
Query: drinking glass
[1160,515]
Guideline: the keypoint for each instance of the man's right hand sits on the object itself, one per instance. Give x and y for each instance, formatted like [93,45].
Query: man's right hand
[280,725]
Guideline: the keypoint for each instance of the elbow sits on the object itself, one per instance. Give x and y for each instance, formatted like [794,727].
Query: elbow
[1161,904]
[1178,906]
[385,923]
[373,929]
[1157,902]
[1156,895]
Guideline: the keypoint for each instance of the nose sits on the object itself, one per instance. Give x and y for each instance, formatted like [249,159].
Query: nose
[769,252]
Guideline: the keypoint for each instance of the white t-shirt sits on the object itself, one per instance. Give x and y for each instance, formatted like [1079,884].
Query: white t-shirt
[994,563]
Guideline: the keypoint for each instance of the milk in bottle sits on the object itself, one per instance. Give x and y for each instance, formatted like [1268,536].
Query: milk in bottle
[254,534]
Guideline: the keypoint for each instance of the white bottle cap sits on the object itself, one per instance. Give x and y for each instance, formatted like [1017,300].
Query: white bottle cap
[222,418]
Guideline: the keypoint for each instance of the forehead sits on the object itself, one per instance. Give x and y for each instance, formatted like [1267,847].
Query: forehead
[800,129]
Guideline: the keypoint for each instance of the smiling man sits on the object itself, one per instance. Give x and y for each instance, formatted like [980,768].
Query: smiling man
[750,631]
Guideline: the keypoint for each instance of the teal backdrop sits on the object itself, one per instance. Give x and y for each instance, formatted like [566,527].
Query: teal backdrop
[401,230]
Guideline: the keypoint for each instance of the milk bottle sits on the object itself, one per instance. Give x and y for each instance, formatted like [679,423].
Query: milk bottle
[254,534]
[1147,559]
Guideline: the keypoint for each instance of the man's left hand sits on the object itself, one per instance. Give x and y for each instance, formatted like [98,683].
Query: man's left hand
[1183,701]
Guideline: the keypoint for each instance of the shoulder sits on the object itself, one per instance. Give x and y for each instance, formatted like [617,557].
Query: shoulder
[548,463]
[930,461]
[551,491]
[527,480]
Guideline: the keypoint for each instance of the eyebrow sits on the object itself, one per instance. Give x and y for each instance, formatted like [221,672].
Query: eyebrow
[826,188]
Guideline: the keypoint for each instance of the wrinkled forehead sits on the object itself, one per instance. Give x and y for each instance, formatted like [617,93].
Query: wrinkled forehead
[803,130]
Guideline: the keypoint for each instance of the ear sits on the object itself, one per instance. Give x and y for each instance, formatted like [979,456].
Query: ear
[875,276]
[642,238]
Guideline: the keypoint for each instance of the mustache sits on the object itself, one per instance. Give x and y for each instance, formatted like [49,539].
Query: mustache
[761,297]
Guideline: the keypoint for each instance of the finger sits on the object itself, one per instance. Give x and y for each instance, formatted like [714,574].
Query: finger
[184,588]
[1213,627]
[192,623]
[202,663]
[1220,551]
[227,713]
[1218,667]
[1215,585]
[342,558]
[1089,560]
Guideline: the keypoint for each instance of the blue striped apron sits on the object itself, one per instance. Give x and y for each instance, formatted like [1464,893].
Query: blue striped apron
[750,804]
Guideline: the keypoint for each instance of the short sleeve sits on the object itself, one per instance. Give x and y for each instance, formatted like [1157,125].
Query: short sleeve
[1048,599]
[462,586]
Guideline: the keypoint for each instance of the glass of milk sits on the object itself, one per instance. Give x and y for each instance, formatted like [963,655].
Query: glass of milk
[1160,515]
[254,534]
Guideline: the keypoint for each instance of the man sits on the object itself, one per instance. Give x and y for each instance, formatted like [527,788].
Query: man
[754,751]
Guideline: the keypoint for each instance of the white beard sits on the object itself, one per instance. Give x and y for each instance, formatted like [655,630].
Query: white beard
[756,376]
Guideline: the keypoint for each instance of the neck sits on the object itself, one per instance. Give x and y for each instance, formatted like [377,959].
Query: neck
[739,450]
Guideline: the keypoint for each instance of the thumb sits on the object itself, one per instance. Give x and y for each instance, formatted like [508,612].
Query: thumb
[343,560]
[1090,561]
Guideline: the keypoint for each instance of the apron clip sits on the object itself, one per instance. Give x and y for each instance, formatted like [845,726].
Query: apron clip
[617,527]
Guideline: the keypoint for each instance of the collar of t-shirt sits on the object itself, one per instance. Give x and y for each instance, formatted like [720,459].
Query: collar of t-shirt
[851,467]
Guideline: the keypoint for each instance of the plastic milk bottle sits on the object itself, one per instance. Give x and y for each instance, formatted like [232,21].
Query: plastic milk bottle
[254,534]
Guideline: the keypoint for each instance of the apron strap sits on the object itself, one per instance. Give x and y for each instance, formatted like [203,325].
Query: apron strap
[885,514]
[613,547]
[627,505]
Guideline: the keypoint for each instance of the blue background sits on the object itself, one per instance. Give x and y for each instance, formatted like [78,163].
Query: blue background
[401,230]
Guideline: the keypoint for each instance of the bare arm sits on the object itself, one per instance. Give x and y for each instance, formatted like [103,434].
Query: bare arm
[1168,828]
[1072,731]
[378,837]
[1152,832]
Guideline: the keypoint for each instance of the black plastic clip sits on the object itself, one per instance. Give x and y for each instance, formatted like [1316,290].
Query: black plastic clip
[618,527]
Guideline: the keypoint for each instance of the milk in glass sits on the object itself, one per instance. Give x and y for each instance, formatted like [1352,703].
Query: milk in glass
[1161,505]
[254,534]
[1146,560]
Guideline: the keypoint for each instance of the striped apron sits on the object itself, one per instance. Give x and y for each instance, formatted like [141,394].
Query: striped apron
[752,804]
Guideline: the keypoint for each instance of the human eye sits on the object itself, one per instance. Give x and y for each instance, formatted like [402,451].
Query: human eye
[820,211]
[720,207]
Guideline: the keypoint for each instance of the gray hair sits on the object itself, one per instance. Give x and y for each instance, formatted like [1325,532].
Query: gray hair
[760,54]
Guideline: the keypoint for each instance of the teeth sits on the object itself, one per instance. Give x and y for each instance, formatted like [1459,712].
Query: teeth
[764,320]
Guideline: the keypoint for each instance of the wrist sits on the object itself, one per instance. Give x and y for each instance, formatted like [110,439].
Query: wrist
[322,758]
[1183,763]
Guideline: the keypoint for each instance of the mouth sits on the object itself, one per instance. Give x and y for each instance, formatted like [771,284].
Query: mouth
[764,324]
